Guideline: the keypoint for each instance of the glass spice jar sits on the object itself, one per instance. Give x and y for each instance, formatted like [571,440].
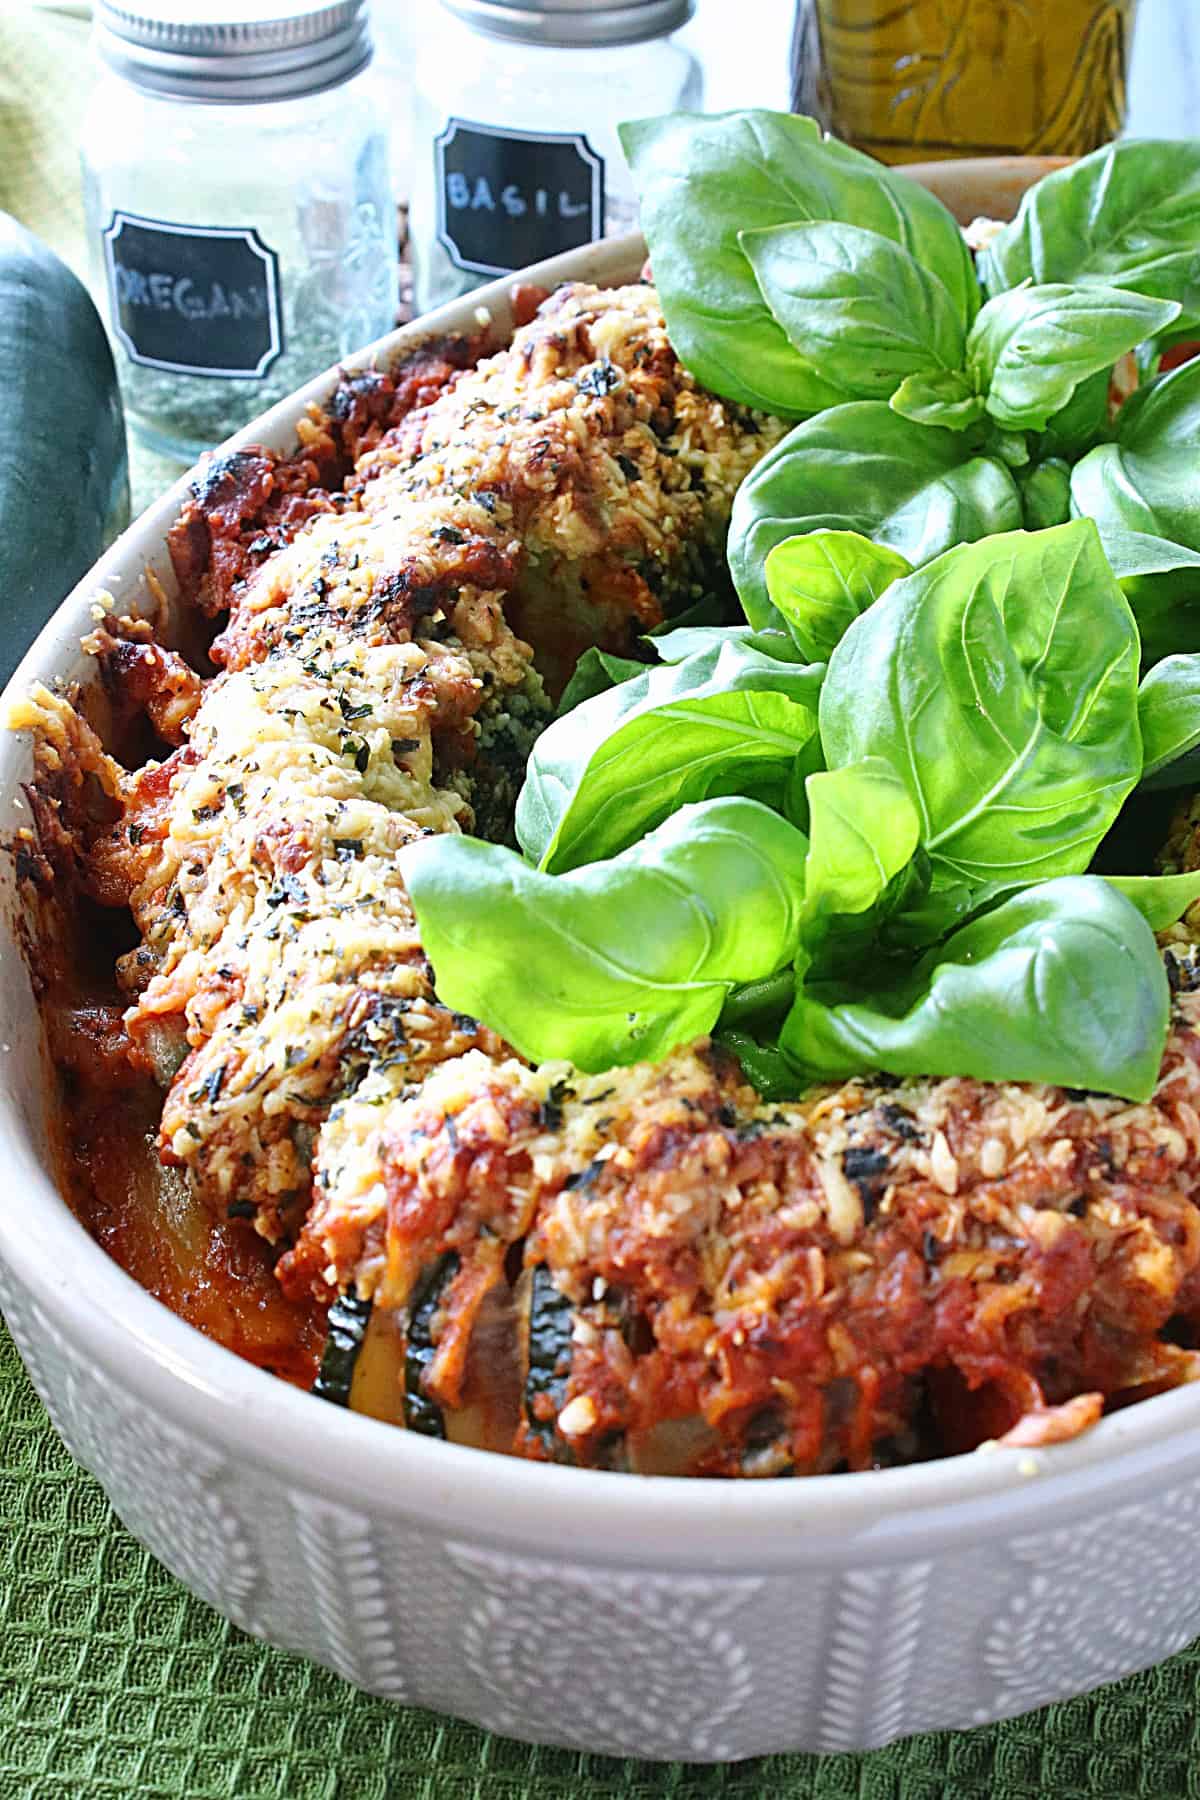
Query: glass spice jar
[238,203]
[515,112]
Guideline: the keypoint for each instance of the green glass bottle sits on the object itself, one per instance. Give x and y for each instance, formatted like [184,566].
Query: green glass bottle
[920,79]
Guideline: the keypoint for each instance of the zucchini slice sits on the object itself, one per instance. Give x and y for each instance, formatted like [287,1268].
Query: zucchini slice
[420,1412]
[549,1319]
[348,1320]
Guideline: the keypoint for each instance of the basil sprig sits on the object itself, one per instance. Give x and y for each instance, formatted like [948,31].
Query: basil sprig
[972,739]
[858,832]
[799,276]
[703,179]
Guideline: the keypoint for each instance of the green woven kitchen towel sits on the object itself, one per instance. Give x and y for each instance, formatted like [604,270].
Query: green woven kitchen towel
[115,1682]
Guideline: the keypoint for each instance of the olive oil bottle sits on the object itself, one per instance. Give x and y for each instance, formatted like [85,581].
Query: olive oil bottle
[914,79]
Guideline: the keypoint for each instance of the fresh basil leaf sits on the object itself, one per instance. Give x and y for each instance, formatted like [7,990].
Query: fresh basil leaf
[620,763]
[1063,983]
[1008,447]
[596,672]
[856,306]
[1149,480]
[913,488]
[925,915]
[1127,216]
[1082,423]
[820,583]
[864,866]
[1001,683]
[620,961]
[1162,900]
[692,640]
[944,398]
[699,180]
[760,1003]
[1045,494]
[703,178]
[863,830]
[1169,715]
[1029,349]
[1161,581]
[766,1069]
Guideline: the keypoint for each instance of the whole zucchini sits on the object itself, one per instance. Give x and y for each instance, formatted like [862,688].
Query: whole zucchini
[64,472]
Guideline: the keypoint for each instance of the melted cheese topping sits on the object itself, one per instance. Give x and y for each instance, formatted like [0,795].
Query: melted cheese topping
[373,685]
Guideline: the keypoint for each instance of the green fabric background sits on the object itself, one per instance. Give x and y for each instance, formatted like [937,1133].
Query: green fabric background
[115,1682]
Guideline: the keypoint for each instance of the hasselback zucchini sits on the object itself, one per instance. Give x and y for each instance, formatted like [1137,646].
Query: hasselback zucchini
[377,1360]
[64,475]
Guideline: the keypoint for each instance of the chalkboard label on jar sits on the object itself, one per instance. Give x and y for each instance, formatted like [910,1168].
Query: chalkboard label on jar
[507,198]
[195,299]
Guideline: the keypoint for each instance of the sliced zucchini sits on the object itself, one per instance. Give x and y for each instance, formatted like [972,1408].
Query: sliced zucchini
[348,1319]
[420,1412]
[378,1389]
[548,1319]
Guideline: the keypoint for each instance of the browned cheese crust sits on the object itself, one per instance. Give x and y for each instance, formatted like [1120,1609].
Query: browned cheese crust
[371,688]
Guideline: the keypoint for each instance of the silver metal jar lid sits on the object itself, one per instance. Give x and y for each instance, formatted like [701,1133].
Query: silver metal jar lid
[233,50]
[573,24]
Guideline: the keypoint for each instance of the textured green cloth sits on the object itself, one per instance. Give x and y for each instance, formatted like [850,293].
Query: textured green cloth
[115,1682]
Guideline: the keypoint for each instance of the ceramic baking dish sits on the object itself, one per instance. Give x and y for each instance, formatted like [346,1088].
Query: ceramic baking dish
[637,1616]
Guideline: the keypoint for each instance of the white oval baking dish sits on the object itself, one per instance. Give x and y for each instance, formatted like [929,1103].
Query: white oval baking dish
[635,1616]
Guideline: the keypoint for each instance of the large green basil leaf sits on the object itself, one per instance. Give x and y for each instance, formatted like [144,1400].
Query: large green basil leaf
[1149,480]
[914,488]
[621,762]
[620,961]
[857,307]
[1001,683]
[1169,715]
[1127,216]
[703,178]
[820,583]
[1029,349]
[1161,581]
[1161,899]
[1063,983]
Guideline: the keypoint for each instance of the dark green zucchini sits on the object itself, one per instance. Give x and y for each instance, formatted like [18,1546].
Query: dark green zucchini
[549,1319]
[382,1347]
[64,474]
[420,1412]
[348,1320]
